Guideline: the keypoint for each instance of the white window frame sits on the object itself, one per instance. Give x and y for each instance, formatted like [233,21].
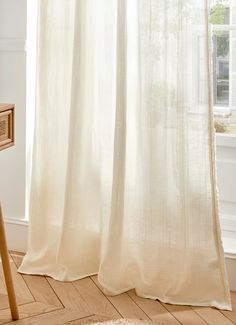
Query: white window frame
[227,110]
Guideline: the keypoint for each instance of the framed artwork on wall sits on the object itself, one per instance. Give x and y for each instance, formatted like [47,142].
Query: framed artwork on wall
[6,125]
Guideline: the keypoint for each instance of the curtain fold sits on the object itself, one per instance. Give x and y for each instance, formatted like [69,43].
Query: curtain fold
[123,161]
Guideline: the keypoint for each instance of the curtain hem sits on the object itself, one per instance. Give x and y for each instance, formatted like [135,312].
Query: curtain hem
[111,292]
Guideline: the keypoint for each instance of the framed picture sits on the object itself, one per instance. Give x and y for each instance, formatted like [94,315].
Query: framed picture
[6,125]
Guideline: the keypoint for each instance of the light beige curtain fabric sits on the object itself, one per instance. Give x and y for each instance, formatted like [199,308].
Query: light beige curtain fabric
[123,180]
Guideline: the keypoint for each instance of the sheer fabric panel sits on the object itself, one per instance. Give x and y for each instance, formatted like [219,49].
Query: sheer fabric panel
[123,164]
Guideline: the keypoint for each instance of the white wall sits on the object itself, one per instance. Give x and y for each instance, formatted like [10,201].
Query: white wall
[13,90]
[226,172]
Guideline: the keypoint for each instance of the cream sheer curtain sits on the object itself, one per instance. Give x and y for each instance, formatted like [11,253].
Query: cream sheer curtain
[123,181]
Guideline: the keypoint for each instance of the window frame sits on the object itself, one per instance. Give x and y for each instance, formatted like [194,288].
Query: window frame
[217,109]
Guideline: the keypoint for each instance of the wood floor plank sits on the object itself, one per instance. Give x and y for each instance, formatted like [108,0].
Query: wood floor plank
[2,285]
[23,294]
[41,290]
[17,258]
[212,316]
[88,320]
[154,309]
[21,289]
[231,314]
[58,317]
[70,297]
[35,308]
[124,304]
[127,307]
[185,314]
[39,286]
[4,301]
[27,310]
[95,299]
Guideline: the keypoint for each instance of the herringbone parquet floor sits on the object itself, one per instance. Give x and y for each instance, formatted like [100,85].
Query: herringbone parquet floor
[44,301]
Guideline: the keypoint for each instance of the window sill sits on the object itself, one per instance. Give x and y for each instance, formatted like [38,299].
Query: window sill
[225,123]
[226,140]
[221,111]
[229,245]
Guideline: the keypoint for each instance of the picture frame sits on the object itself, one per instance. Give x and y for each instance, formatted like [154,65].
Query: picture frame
[6,125]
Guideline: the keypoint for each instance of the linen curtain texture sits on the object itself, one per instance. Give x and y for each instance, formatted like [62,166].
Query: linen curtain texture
[123,161]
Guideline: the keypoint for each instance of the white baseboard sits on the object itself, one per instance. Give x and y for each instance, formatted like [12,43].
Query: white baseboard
[228,225]
[17,238]
[231,270]
[17,234]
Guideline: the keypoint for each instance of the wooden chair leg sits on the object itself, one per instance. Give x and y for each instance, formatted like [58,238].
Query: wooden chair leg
[7,270]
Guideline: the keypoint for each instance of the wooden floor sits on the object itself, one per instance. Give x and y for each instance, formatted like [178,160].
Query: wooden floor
[44,301]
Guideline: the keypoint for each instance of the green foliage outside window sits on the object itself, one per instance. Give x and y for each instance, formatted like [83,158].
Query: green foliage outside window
[217,17]
[218,11]
[222,46]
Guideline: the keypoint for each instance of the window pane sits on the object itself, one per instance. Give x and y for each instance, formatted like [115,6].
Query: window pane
[222,43]
[220,13]
[226,16]
[222,93]
[233,14]
[221,68]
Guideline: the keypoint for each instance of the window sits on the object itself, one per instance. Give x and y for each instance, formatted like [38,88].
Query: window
[223,19]
[221,69]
